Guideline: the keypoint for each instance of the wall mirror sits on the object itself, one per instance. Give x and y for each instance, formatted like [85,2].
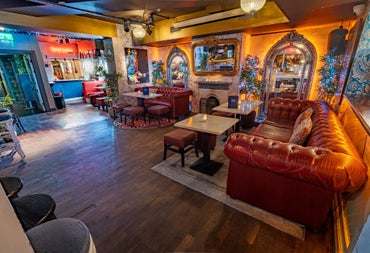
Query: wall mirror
[216,56]
[289,68]
[177,68]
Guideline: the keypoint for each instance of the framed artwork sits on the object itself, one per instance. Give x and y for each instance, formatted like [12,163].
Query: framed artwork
[137,65]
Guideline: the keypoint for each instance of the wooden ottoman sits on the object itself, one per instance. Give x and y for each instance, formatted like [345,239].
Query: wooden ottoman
[133,112]
[183,139]
[157,111]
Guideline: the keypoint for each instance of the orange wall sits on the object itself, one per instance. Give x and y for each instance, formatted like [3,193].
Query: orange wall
[318,36]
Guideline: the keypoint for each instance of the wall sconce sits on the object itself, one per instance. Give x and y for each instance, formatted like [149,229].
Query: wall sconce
[251,6]
[138,32]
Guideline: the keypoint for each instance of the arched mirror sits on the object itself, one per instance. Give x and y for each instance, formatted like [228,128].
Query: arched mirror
[177,68]
[289,68]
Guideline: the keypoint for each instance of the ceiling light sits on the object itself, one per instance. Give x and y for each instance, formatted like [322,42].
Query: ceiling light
[148,30]
[139,32]
[252,5]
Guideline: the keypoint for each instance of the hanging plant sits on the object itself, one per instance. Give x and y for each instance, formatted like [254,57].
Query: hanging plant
[250,78]
[329,75]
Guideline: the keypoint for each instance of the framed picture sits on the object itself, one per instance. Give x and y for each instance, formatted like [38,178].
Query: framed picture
[137,65]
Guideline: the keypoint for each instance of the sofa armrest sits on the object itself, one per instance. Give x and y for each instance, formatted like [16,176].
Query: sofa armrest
[331,170]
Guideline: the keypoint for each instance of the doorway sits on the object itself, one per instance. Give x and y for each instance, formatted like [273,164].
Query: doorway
[18,80]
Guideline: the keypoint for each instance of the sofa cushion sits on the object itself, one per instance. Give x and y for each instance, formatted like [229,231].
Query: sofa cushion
[301,132]
[304,115]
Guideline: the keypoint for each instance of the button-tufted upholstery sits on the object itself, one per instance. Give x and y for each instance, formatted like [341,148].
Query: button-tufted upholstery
[293,181]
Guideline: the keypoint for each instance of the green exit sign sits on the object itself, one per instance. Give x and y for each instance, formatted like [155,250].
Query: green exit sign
[6,36]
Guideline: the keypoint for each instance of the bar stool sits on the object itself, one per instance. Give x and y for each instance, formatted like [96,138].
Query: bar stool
[118,109]
[60,236]
[184,140]
[33,209]
[157,111]
[11,185]
[134,112]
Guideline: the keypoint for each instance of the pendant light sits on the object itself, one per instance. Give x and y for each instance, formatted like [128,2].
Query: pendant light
[139,32]
[251,6]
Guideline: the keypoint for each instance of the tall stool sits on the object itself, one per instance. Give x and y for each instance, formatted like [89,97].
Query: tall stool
[118,109]
[33,209]
[60,236]
[11,185]
[134,112]
[183,139]
[157,111]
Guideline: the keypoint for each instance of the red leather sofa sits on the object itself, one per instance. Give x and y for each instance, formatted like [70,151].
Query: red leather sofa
[177,99]
[89,88]
[294,181]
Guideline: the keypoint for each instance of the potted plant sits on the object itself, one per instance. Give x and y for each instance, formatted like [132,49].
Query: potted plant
[111,89]
[6,102]
[330,74]
[251,85]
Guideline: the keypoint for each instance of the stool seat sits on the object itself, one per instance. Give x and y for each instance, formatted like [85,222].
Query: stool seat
[101,102]
[60,236]
[157,111]
[11,185]
[183,139]
[118,108]
[133,112]
[33,209]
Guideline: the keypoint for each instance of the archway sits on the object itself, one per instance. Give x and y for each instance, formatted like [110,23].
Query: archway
[177,68]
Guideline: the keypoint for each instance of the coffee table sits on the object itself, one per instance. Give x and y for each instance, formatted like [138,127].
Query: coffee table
[207,125]
[244,108]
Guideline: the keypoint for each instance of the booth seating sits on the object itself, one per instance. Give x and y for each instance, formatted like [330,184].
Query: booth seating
[177,99]
[294,162]
[133,112]
[89,88]
[11,185]
[118,110]
[33,209]
[183,139]
[61,236]
[157,111]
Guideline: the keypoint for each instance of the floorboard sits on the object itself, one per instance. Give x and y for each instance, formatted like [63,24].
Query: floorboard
[101,175]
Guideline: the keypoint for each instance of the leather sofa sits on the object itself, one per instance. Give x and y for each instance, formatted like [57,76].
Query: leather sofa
[177,99]
[294,181]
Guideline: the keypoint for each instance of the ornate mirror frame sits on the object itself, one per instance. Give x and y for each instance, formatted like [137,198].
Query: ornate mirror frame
[213,56]
[177,66]
[303,77]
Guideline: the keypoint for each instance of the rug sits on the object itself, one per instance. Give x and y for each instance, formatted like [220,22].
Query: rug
[215,187]
[140,124]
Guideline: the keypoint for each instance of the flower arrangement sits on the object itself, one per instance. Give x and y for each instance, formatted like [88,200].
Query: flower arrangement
[250,80]
[330,74]
[159,77]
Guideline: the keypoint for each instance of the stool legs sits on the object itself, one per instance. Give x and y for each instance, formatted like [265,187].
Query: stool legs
[181,151]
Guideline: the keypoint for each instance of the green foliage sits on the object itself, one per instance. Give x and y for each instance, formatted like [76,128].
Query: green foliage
[6,101]
[112,85]
[329,75]
[250,82]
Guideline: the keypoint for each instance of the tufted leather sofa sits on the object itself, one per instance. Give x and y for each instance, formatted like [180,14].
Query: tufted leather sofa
[177,99]
[293,181]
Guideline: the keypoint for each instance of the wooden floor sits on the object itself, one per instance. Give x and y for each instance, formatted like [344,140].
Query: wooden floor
[101,175]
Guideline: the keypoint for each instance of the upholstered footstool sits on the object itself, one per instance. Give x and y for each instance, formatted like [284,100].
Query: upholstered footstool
[11,185]
[118,110]
[183,139]
[134,112]
[157,111]
[61,235]
[101,102]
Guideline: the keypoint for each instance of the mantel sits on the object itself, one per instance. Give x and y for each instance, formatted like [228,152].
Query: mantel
[216,85]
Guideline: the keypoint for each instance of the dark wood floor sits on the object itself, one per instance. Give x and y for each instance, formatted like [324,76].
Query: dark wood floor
[101,175]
